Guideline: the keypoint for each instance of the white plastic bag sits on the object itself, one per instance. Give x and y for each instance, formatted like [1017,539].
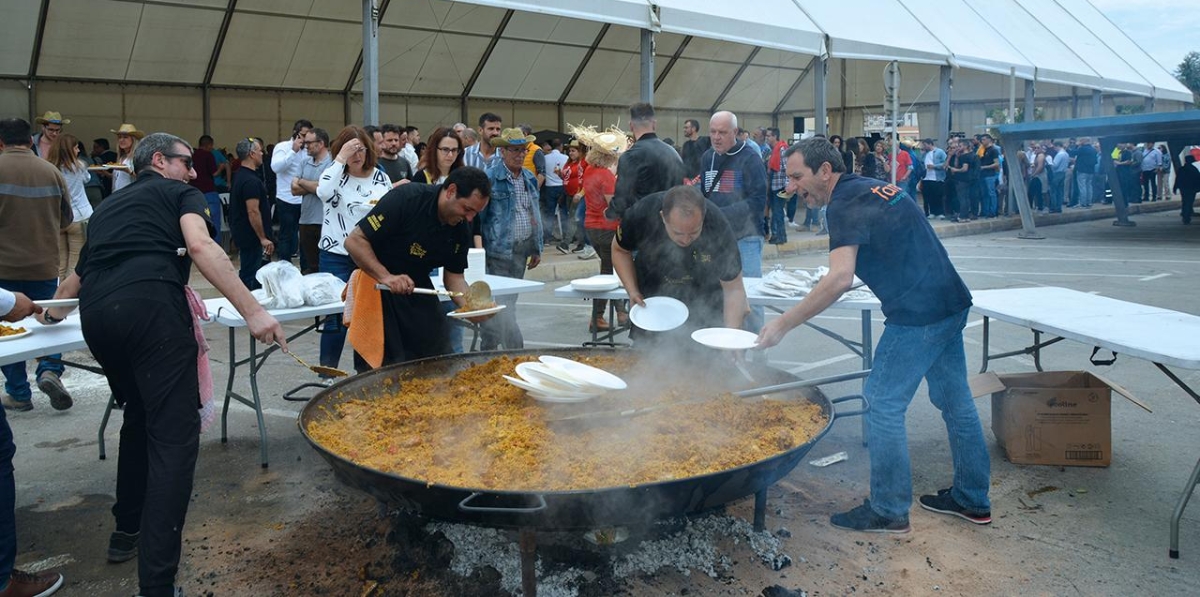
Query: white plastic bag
[322,289]
[283,284]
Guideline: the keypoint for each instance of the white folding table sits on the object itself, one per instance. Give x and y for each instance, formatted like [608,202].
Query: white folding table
[1164,337]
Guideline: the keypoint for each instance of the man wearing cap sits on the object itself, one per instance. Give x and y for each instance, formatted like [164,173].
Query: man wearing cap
[52,124]
[35,206]
[648,166]
[512,231]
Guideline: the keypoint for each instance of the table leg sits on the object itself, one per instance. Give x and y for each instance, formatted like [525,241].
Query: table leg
[986,333]
[1183,501]
[233,365]
[255,365]
[104,424]
[1037,350]
[868,361]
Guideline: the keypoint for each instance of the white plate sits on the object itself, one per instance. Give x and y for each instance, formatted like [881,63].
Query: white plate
[27,331]
[660,314]
[550,394]
[725,338]
[476,313]
[596,284]
[588,374]
[539,374]
[49,303]
[556,399]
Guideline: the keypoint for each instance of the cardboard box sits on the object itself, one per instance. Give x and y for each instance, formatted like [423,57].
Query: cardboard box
[1052,417]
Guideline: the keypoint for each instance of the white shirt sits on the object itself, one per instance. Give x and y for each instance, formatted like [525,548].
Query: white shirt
[554,160]
[347,200]
[8,300]
[410,154]
[81,208]
[122,178]
[286,164]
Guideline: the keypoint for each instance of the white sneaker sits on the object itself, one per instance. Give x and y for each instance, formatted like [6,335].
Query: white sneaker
[588,253]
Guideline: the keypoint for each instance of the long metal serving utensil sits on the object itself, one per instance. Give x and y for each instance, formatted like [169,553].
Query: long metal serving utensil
[318,369]
[423,291]
[791,385]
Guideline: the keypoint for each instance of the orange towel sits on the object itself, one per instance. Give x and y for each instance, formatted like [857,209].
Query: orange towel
[366,319]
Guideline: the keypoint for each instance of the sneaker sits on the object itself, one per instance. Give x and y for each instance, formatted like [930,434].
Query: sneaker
[15,404]
[52,385]
[864,519]
[122,547]
[793,225]
[563,248]
[588,253]
[944,503]
[32,584]
[578,248]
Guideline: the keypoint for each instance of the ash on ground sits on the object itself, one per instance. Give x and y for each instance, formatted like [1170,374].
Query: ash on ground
[479,560]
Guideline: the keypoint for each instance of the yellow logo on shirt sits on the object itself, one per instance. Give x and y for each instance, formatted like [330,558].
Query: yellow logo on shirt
[417,250]
[701,257]
[375,220]
[208,212]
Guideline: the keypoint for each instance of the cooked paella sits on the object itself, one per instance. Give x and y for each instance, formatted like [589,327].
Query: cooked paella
[474,430]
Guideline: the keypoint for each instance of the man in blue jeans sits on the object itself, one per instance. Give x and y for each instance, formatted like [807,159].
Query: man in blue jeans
[880,233]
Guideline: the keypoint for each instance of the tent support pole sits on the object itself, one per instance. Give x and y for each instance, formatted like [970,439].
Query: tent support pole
[1011,146]
[820,110]
[647,72]
[370,63]
[1030,91]
[1096,102]
[1074,102]
[206,109]
[944,84]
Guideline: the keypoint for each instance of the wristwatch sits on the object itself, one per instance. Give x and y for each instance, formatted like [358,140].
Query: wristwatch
[50,318]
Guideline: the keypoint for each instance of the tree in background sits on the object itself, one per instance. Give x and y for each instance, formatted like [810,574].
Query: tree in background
[1188,73]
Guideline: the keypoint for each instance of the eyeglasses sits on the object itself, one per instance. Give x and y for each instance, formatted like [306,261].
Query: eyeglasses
[521,149]
[187,159]
[450,150]
[56,129]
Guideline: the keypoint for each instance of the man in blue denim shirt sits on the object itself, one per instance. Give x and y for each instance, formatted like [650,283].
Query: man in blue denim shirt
[879,233]
[512,232]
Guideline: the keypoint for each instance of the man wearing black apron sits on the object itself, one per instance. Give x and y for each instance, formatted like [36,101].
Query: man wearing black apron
[414,229]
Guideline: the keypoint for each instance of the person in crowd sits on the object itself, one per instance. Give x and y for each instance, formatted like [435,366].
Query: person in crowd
[1060,163]
[1039,182]
[878,233]
[572,173]
[64,155]
[694,147]
[102,154]
[535,162]
[648,166]
[205,164]
[1164,173]
[470,139]
[964,168]
[933,185]
[459,128]
[35,207]
[409,150]
[136,318]
[1152,161]
[777,200]
[598,186]
[735,180]
[556,205]
[250,213]
[687,250]
[348,188]
[484,155]
[989,175]
[844,149]
[412,230]
[127,141]
[15,306]
[52,126]
[312,209]
[397,168]
[414,139]
[511,228]
[1087,161]
[435,168]
[286,161]
[1187,183]
[93,187]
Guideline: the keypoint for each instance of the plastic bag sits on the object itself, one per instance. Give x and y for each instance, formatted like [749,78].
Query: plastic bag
[322,289]
[283,284]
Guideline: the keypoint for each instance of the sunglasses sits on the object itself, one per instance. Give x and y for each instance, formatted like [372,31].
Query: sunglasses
[187,159]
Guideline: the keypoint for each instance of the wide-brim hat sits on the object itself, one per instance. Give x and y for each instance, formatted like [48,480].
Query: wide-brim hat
[128,129]
[611,141]
[511,137]
[52,118]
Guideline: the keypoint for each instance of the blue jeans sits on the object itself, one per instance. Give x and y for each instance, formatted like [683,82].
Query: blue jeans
[503,329]
[550,197]
[1056,191]
[580,214]
[1085,188]
[214,213]
[990,205]
[249,260]
[453,330]
[8,500]
[778,219]
[905,355]
[16,381]
[751,248]
[289,230]
[792,203]
[333,333]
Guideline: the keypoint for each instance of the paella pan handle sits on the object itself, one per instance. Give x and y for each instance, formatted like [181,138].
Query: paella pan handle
[866,406]
[464,507]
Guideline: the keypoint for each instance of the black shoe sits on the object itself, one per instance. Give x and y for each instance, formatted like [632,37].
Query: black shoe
[563,248]
[943,503]
[122,547]
[578,248]
[864,519]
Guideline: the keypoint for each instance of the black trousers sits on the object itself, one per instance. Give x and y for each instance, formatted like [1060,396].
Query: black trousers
[142,336]
[934,193]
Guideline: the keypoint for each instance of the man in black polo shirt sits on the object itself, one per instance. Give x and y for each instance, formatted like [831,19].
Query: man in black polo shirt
[414,229]
[686,251]
[250,212]
[137,322]
[879,233]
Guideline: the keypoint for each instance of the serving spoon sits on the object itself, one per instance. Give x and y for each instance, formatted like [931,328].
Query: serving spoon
[318,369]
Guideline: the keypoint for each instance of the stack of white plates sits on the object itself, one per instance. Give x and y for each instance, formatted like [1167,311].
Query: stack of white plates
[555,379]
[598,283]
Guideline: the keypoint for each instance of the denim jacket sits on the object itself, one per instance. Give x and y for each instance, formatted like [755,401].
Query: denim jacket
[498,216]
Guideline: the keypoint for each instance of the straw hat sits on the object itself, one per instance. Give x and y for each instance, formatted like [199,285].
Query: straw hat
[52,118]
[611,141]
[511,137]
[128,129]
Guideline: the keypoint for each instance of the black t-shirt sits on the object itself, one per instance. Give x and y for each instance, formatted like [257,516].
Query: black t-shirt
[990,155]
[1085,159]
[971,161]
[397,169]
[692,274]
[899,256]
[408,238]
[247,184]
[134,236]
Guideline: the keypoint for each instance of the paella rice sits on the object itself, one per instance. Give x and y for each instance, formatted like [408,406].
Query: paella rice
[474,430]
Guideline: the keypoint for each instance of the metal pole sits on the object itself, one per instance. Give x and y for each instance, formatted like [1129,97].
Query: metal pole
[647,73]
[893,84]
[1012,95]
[207,110]
[821,112]
[1030,90]
[947,80]
[1095,102]
[1074,102]
[370,67]
[1012,146]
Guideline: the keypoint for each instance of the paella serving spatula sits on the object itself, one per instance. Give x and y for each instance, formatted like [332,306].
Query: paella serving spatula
[318,369]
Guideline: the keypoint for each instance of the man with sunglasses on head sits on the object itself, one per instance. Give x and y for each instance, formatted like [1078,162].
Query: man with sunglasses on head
[250,212]
[138,320]
[312,209]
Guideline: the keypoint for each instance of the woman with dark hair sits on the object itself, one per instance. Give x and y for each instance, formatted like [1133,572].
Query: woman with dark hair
[64,155]
[442,156]
[847,154]
[877,164]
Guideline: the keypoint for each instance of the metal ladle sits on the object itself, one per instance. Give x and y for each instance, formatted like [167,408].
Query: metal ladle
[318,369]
